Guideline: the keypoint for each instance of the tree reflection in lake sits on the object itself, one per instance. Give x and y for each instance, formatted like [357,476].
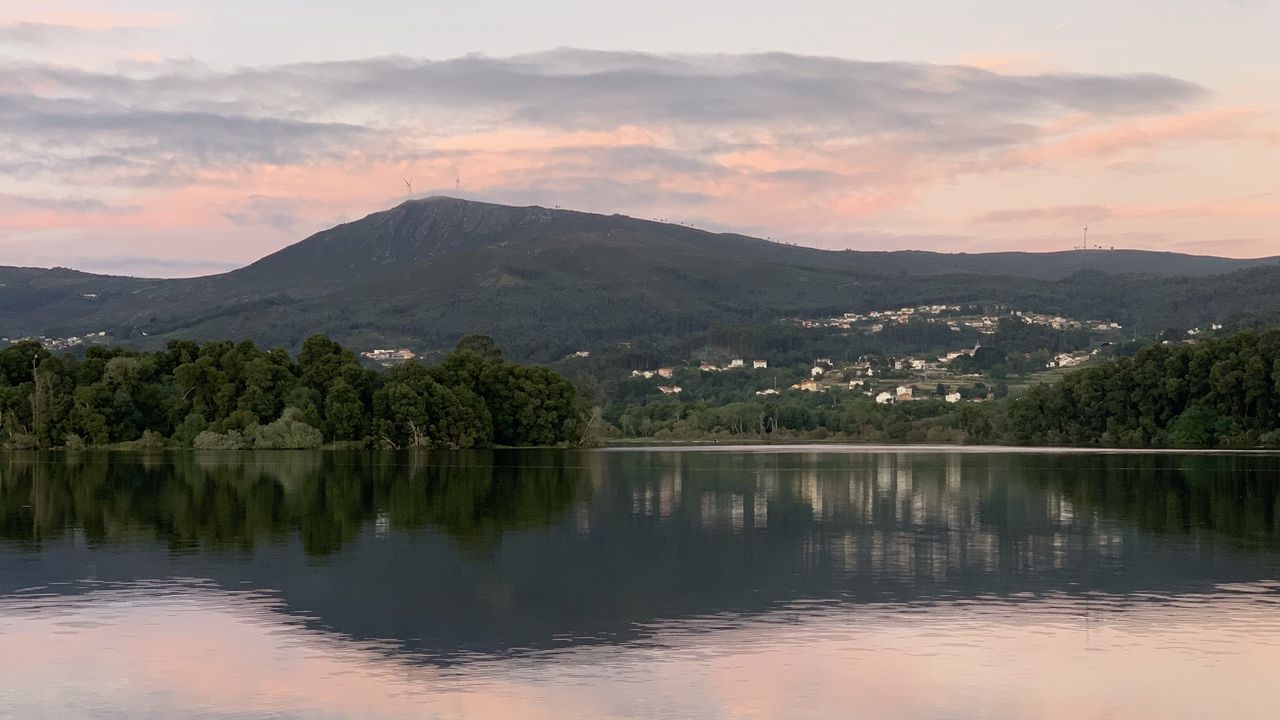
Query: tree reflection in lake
[218,501]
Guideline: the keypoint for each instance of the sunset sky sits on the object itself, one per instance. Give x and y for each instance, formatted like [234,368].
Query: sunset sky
[179,138]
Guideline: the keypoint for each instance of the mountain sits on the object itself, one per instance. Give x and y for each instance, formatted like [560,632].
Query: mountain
[542,280]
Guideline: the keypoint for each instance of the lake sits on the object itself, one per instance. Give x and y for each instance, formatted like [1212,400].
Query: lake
[648,583]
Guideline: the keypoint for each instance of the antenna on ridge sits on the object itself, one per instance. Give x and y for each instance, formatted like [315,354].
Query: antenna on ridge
[408,186]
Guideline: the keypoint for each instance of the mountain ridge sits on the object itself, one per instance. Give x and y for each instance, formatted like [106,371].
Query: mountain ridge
[427,270]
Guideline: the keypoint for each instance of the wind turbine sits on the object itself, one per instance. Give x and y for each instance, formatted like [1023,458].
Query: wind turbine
[408,186]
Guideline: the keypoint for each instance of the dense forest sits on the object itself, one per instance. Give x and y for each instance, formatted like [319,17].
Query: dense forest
[223,395]
[1214,393]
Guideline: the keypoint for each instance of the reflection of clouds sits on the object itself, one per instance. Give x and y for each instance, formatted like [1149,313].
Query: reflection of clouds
[164,650]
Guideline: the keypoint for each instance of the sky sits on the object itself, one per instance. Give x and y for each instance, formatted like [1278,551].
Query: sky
[182,137]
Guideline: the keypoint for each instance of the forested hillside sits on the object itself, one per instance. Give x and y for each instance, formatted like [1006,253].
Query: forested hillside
[545,283]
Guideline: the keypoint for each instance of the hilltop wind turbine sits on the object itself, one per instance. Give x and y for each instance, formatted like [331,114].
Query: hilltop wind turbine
[457,184]
[408,186]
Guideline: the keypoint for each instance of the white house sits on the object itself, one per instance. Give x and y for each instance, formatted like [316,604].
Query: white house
[666,372]
[737,363]
[808,386]
[904,392]
[670,389]
[817,371]
[389,357]
[1066,360]
[767,392]
[759,364]
[953,397]
[884,398]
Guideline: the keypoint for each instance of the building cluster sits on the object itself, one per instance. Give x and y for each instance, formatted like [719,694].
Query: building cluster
[387,358]
[57,344]
[954,316]
[662,372]
[875,320]
[1058,322]
[1197,331]
[824,376]
[668,373]
[734,364]
[1068,360]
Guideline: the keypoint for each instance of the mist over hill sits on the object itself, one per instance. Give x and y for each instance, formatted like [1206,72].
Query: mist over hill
[543,281]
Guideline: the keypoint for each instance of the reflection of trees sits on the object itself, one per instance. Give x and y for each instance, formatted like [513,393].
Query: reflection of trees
[1235,495]
[220,501]
[469,495]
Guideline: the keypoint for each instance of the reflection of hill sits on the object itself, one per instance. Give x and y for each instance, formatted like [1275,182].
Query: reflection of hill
[592,547]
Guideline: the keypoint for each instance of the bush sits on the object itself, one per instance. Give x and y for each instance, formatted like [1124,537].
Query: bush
[20,441]
[73,442]
[287,433]
[151,440]
[210,440]
[191,426]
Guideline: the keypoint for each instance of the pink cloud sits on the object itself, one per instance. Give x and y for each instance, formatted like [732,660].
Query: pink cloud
[96,21]
[1113,139]
[1247,207]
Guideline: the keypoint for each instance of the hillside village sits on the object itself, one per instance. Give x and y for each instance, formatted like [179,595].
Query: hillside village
[953,316]
[974,368]
[964,373]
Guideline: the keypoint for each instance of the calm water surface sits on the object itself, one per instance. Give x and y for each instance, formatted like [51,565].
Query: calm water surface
[787,583]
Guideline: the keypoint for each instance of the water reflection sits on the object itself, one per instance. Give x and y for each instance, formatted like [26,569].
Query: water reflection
[215,501]
[590,584]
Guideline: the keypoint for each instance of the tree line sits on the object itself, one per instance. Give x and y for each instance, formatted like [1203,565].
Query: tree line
[224,395]
[1221,393]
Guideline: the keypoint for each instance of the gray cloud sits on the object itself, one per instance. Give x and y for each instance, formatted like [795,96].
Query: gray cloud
[74,204]
[576,88]
[280,213]
[140,145]
[35,33]
[165,123]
